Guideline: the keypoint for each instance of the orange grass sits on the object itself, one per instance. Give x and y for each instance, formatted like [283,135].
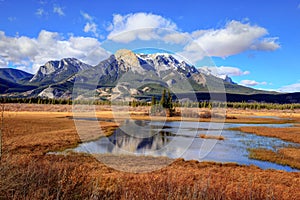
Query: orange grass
[82,177]
[291,134]
[284,156]
[27,172]
[214,137]
[141,113]
[40,132]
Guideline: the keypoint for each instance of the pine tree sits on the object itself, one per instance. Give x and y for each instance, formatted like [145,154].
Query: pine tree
[170,104]
[163,99]
[153,101]
[153,105]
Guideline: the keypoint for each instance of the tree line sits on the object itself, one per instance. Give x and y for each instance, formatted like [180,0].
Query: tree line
[157,105]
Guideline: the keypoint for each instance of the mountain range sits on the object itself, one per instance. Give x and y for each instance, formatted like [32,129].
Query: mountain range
[125,74]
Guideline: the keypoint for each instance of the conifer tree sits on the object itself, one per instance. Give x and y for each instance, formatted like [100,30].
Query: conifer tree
[163,99]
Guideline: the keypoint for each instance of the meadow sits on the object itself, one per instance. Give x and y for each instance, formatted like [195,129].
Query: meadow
[28,171]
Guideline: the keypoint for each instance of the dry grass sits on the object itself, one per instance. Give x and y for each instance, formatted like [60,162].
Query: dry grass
[39,132]
[291,153]
[291,134]
[284,156]
[82,177]
[214,137]
[141,113]
[27,172]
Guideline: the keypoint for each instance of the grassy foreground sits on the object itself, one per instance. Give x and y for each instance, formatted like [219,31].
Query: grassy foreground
[27,172]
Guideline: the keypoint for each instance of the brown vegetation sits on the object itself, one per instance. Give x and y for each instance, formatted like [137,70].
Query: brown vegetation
[291,134]
[214,137]
[36,132]
[189,114]
[284,156]
[27,172]
[82,177]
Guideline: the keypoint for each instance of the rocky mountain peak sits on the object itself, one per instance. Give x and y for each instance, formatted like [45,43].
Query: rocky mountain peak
[127,58]
[58,70]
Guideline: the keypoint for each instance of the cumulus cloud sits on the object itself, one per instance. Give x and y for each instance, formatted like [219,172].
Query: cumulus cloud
[30,53]
[58,10]
[138,26]
[290,88]
[252,83]
[234,38]
[266,44]
[225,71]
[90,26]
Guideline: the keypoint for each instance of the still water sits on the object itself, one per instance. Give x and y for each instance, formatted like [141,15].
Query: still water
[181,140]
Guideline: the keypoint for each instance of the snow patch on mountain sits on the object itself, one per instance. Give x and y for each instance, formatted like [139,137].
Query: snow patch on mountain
[212,71]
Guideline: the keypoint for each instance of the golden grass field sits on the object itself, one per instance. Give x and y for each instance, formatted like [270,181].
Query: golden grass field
[28,172]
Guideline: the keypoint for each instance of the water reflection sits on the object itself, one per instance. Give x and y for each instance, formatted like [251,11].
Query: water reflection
[132,137]
[136,144]
[180,139]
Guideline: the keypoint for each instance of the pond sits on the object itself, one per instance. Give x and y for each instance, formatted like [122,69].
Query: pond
[181,140]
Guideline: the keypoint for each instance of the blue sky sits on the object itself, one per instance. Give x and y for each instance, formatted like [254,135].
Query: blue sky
[257,43]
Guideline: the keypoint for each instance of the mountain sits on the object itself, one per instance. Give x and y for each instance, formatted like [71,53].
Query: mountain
[14,75]
[129,75]
[124,75]
[12,80]
[56,71]
[154,67]
[52,79]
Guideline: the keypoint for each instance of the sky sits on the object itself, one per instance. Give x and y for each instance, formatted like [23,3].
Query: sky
[256,43]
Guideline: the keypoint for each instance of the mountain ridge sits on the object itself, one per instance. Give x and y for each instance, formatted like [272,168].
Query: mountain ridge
[55,79]
[52,70]
[14,75]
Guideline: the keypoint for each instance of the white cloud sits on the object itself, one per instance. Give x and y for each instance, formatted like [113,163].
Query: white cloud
[86,16]
[58,10]
[224,70]
[252,83]
[30,53]
[3,63]
[290,88]
[90,26]
[266,44]
[234,38]
[177,38]
[138,26]
[40,12]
